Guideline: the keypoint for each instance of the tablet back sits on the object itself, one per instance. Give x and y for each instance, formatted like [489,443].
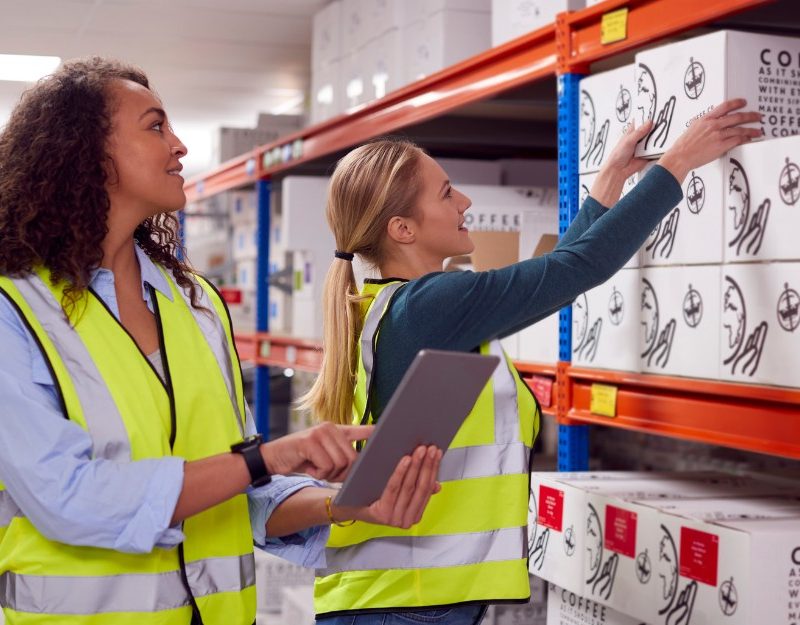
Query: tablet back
[431,402]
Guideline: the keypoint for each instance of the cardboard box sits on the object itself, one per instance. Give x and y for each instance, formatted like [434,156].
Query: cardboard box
[326,35]
[352,80]
[606,105]
[606,324]
[585,182]
[762,211]
[298,605]
[327,92]
[680,82]
[245,242]
[692,233]
[383,62]
[443,39]
[760,340]
[247,274]
[514,18]
[568,608]
[539,342]
[354,26]
[304,199]
[733,572]
[273,574]
[468,171]
[680,314]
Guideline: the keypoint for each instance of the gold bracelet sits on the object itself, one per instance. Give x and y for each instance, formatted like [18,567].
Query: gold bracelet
[330,514]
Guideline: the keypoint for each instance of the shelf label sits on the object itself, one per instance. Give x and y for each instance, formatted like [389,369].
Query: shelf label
[620,532]
[265,349]
[542,387]
[603,400]
[614,26]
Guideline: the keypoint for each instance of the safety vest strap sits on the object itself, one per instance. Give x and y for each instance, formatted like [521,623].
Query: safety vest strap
[100,412]
[124,593]
[422,552]
[371,324]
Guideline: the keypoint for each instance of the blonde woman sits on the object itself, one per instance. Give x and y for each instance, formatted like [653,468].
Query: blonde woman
[393,205]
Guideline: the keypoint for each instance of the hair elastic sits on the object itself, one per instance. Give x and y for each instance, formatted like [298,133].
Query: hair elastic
[343,256]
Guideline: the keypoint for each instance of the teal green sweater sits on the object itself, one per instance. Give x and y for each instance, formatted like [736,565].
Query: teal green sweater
[460,310]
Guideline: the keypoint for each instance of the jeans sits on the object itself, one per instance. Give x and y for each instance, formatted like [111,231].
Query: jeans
[457,615]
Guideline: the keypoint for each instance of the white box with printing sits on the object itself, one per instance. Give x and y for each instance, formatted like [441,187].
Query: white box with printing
[606,104]
[326,35]
[606,324]
[760,323]
[762,200]
[680,82]
[514,18]
[680,315]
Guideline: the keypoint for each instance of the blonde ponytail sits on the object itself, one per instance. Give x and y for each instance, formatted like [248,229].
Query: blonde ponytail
[369,186]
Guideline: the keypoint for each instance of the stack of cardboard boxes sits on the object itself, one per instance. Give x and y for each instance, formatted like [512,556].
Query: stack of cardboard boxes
[717,294]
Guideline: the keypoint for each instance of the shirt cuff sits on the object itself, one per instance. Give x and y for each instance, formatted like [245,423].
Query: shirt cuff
[262,502]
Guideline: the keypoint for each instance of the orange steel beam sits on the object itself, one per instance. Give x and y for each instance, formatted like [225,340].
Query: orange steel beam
[754,418]
[648,21]
[521,61]
[283,351]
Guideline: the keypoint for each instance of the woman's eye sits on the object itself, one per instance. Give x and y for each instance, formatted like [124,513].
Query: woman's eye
[157,126]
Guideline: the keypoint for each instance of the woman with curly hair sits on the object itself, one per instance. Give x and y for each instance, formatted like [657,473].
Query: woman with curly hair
[133,484]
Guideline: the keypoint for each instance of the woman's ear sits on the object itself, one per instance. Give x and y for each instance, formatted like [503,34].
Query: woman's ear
[401,230]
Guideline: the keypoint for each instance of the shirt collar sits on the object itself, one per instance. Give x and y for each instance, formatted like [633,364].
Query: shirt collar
[151,275]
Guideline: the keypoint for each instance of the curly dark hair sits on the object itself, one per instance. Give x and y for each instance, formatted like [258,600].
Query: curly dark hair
[53,173]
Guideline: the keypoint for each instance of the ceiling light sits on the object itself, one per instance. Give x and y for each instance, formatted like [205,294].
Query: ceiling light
[26,68]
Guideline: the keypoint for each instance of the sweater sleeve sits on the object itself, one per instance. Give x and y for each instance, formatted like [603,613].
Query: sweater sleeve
[460,310]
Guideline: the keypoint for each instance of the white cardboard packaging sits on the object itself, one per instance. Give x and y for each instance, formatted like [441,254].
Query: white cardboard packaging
[568,608]
[245,242]
[585,182]
[326,35]
[352,80]
[309,278]
[304,199]
[354,26]
[503,209]
[683,81]
[383,65]
[680,313]
[327,92]
[606,103]
[443,39]
[731,572]
[692,233]
[514,18]
[606,324]
[762,211]
[539,342]
[246,274]
[760,321]
[243,207]
[273,574]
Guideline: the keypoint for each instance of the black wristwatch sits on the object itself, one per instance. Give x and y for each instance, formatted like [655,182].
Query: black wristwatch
[250,448]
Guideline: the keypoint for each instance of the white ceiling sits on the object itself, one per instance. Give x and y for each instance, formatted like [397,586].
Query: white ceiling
[213,62]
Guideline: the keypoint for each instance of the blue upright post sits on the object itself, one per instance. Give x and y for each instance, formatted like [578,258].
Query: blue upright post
[263,188]
[573,440]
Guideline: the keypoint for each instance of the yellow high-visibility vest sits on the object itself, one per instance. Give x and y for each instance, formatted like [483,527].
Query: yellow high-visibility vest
[471,544]
[108,387]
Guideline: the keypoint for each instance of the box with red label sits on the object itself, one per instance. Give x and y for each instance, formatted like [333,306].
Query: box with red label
[568,608]
[762,200]
[760,323]
[732,572]
[680,82]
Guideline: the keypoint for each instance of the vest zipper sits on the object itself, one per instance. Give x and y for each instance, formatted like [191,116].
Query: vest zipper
[197,618]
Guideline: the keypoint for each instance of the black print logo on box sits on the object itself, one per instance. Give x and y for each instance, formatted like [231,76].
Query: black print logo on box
[616,307]
[585,339]
[728,597]
[662,239]
[742,349]
[790,177]
[593,141]
[789,309]
[695,194]
[623,104]
[748,230]
[658,344]
[676,607]
[694,80]
[647,105]
[569,541]
[601,575]
[644,567]
[692,307]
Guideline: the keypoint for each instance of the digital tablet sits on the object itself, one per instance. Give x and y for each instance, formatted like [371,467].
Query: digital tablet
[431,402]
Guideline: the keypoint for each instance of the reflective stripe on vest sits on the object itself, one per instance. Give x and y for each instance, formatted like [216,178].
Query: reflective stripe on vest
[411,552]
[456,553]
[103,420]
[122,593]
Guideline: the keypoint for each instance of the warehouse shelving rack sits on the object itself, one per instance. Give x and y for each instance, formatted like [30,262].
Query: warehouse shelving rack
[749,417]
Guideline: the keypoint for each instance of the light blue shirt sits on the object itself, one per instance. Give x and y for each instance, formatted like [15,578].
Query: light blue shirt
[47,467]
